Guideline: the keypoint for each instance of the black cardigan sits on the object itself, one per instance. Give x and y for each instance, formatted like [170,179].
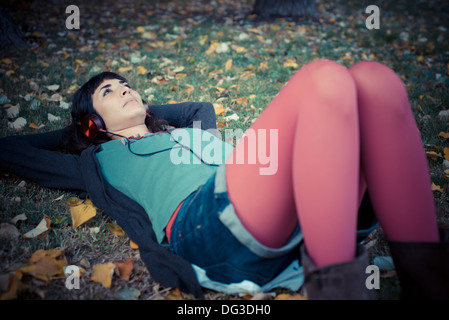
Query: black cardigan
[36,157]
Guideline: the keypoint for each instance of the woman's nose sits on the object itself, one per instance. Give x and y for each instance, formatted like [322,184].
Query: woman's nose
[125,91]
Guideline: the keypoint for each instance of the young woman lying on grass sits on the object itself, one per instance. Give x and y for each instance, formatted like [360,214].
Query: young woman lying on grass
[340,133]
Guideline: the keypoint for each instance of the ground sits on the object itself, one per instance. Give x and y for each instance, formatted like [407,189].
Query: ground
[173,51]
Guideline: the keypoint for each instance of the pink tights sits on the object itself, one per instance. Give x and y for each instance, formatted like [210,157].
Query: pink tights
[340,131]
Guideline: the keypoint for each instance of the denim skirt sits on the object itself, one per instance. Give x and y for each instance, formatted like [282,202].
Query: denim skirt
[208,233]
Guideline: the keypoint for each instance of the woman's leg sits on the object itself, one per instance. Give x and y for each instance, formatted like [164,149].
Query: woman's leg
[393,157]
[317,179]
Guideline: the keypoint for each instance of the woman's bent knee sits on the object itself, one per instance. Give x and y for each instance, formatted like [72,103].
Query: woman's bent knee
[377,83]
[324,79]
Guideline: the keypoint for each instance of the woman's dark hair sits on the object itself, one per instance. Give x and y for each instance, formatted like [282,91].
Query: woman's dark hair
[75,141]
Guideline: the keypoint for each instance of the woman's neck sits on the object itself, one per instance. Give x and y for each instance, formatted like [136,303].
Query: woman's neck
[134,131]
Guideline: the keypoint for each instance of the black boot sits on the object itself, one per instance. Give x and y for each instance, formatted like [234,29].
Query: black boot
[423,267]
[342,281]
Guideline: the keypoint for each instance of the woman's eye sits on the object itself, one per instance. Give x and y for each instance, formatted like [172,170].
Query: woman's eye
[106,92]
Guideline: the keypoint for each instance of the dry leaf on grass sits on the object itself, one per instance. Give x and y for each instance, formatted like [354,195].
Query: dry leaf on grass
[81,212]
[46,265]
[102,273]
[40,231]
[116,229]
[125,268]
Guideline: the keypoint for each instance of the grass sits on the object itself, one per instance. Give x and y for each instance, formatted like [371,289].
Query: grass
[172,44]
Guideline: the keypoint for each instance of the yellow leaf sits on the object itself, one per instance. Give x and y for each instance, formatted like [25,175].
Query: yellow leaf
[102,273]
[445,135]
[189,88]
[133,245]
[175,294]
[82,213]
[263,66]
[40,230]
[34,126]
[124,69]
[285,296]
[420,58]
[219,109]
[241,100]
[6,61]
[116,229]
[140,29]
[125,268]
[46,264]
[260,38]
[436,188]
[228,64]
[290,63]
[73,201]
[240,49]
[141,70]
[433,155]
[73,87]
[212,48]
[446,153]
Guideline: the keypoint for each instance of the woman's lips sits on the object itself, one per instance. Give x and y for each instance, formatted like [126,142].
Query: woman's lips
[129,100]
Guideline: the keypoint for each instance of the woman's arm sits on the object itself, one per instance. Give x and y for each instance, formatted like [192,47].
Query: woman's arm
[34,157]
[182,115]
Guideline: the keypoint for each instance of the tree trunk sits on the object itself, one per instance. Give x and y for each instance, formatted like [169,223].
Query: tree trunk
[10,35]
[285,8]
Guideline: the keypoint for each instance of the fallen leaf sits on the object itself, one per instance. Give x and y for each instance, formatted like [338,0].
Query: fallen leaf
[141,70]
[133,245]
[18,124]
[175,294]
[212,48]
[286,296]
[81,213]
[433,154]
[445,135]
[446,153]
[40,231]
[436,188]
[125,268]
[19,217]
[241,100]
[124,69]
[53,87]
[102,273]
[233,117]
[228,64]
[219,108]
[116,229]
[290,64]
[46,265]
[53,118]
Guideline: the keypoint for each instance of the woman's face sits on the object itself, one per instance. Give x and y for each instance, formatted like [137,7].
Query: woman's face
[118,105]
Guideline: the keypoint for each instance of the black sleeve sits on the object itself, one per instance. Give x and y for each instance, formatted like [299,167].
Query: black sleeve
[34,157]
[183,115]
